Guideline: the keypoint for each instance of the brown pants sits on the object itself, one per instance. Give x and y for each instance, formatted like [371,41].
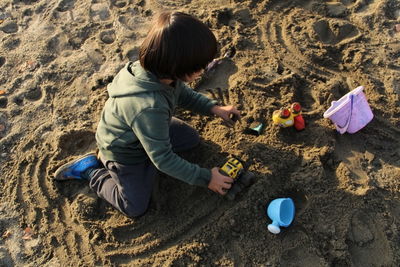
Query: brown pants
[128,187]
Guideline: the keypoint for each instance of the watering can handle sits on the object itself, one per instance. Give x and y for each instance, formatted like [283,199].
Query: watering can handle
[343,129]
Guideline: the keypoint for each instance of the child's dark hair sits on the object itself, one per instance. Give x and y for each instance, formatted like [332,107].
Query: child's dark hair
[177,45]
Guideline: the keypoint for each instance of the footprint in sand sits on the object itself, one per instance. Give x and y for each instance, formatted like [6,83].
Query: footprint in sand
[368,245]
[65,5]
[18,99]
[298,250]
[119,3]
[133,53]
[2,61]
[33,93]
[96,57]
[107,37]
[99,12]
[12,43]
[352,172]
[58,44]
[335,32]
[3,102]
[223,16]
[84,207]
[130,23]
[366,6]
[75,142]
[9,27]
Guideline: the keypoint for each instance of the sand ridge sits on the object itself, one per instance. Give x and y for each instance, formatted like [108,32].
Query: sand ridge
[56,60]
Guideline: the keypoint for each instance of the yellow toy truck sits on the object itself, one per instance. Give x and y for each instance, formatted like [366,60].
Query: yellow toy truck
[241,178]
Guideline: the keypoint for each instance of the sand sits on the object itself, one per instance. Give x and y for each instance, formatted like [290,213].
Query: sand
[57,57]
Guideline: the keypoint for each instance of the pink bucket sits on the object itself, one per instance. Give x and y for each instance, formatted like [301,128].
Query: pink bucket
[351,112]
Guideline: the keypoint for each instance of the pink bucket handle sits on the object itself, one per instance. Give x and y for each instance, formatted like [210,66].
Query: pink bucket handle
[343,129]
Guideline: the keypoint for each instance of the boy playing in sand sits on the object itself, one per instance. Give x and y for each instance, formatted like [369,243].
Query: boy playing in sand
[137,133]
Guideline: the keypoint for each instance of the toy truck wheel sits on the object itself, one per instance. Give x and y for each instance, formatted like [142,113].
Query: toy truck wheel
[233,192]
[247,178]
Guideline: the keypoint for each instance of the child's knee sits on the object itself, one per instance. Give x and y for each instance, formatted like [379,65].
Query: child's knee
[190,139]
[134,211]
[195,138]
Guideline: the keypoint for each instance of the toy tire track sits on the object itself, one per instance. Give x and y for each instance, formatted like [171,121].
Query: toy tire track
[42,209]
[146,248]
[276,36]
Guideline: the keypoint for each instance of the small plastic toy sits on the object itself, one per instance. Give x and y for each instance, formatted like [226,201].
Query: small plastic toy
[256,129]
[351,112]
[283,117]
[241,178]
[287,117]
[281,212]
[299,122]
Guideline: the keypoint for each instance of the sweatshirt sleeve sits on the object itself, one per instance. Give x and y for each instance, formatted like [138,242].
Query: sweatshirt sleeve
[151,126]
[194,101]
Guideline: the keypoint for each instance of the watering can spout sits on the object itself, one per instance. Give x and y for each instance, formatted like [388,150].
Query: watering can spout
[274,228]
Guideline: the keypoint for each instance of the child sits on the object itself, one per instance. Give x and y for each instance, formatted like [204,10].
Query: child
[137,133]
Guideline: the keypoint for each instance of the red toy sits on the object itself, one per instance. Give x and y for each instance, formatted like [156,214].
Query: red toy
[299,122]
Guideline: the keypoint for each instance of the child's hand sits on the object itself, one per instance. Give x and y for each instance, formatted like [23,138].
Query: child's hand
[219,183]
[228,113]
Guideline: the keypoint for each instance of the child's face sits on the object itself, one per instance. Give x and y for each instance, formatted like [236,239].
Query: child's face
[193,76]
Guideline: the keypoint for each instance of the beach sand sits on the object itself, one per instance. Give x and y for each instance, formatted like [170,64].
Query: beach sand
[56,59]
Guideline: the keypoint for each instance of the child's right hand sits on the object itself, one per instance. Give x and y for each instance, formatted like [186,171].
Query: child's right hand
[228,113]
[219,183]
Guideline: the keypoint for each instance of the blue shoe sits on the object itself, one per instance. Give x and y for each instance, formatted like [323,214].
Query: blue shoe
[75,168]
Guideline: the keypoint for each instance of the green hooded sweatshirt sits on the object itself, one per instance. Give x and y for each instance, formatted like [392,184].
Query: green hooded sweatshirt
[134,124]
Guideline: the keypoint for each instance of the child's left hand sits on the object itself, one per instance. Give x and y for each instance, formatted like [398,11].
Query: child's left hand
[228,113]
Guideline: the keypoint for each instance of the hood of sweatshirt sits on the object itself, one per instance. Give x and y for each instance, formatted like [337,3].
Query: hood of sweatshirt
[134,79]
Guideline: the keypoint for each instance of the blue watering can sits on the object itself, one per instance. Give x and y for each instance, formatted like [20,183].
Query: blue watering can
[281,212]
